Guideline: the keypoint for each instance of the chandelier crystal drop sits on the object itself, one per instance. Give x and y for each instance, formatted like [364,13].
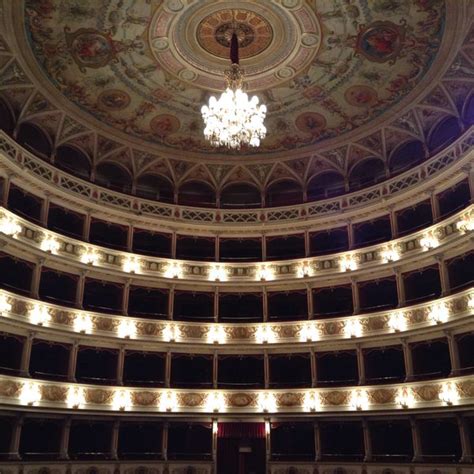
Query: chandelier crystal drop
[234,119]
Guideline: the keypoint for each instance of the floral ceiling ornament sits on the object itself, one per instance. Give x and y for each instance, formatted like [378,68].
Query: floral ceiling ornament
[233,120]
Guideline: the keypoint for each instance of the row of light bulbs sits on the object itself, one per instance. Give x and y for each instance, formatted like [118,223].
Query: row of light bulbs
[39,315]
[122,400]
[132,264]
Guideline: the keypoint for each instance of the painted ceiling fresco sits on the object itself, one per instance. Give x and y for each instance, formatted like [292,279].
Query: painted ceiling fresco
[145,67]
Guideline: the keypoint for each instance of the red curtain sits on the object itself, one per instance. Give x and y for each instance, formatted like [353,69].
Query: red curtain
[241,430]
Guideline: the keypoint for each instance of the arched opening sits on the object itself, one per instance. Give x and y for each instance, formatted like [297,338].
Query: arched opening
[74,161]
[114,177]
[443,134]
[240,195]
[284,193]
[154,186]
[7,119]
[406,156]
[196,193]
[324,185]
[34,139]
[366,173]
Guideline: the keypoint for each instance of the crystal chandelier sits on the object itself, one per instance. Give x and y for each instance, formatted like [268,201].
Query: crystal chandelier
[234,120]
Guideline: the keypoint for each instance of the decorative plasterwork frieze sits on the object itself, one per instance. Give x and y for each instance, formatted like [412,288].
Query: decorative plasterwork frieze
[50,319]
[434,394]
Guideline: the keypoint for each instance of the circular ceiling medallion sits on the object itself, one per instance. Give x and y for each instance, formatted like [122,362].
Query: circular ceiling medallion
[164,124]
[270,39]
[113,99]
[254,33]
[311,123]
[361,96]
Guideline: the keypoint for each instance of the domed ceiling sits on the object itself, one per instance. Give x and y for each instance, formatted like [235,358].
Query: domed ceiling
[344,80]
[144,68]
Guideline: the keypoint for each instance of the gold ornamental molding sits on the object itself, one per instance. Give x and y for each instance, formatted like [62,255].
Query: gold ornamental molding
[436,174]
[27,240]
[455,392]
[53,321]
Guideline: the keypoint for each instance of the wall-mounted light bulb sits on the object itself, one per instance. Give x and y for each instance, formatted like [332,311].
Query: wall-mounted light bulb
[265,273]
[122,400]
[173,270]
[353,328]
[439,313]
[311,402]
[127,329]
[216,334]
[359,400]
[168,401]
[39,315]
[449,393]
[348,263]
[131,265]
[215,402]
[218,273]
[76,397]
[90,257]
[470,302]
[83,323]
[429,241]
[5,306]
[305,270]
[30,394]
[390,254]
[265,334]
[170,333]
[309,333]
[50,244]
[10,227]
[397,321]
[466,224]
[405,398]
[267,402]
